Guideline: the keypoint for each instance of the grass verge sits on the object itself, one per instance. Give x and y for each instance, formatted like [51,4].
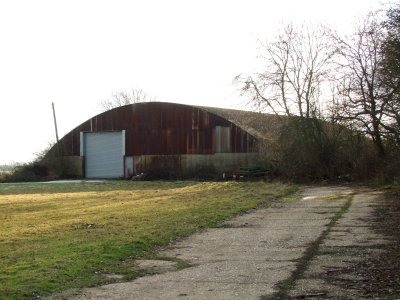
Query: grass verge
[59,236]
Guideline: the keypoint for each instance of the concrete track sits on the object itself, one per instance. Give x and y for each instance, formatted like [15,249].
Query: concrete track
[289,250]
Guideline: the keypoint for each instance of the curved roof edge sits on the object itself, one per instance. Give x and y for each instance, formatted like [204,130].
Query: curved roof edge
[260,125]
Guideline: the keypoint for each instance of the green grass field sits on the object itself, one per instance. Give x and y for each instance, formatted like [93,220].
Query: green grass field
[59,236]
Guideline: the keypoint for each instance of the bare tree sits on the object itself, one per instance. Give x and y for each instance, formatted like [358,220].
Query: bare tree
[297,62]
[363,96]
[389,72]
[122,98]
[295,81]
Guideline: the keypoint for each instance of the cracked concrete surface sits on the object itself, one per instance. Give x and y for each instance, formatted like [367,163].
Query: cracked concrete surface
[257,254]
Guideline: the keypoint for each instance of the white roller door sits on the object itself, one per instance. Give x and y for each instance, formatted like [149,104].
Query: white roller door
[104,154]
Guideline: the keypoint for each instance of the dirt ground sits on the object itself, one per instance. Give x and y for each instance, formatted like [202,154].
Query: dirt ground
[333,242]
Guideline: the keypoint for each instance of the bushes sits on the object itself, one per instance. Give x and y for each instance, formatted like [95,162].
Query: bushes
[312,149]
[34,171]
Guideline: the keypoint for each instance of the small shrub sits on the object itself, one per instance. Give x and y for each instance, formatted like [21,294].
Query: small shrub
[203,173]
[27,172]
[156,174]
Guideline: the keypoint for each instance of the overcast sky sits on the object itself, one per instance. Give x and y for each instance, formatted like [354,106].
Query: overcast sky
[77,53]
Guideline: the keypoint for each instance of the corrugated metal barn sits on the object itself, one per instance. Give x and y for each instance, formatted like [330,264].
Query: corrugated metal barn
[155,136]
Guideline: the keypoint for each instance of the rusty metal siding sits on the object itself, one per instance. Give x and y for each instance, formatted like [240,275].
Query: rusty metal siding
[242,141]
[223,139]
[164,129]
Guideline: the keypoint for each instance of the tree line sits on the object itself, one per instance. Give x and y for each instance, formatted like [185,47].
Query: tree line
[339,95]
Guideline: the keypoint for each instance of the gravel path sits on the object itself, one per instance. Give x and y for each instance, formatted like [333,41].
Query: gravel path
[295,249]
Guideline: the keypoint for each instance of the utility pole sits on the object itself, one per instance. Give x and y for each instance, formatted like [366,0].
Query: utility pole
[60,158]
[55,120]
